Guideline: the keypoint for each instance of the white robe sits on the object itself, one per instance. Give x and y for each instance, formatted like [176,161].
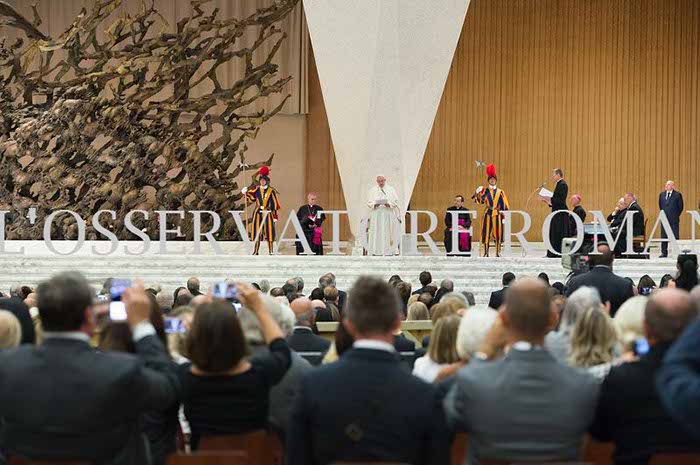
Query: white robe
[384,223]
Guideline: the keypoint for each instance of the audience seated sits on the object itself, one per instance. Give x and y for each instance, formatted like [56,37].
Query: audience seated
[365,407]
[446,286]
[593,342]
[525,406]
[678,380]
[473,327]
[629,321]
[425,279]
[442,350]
[498,296]
[193,286]
[19,309]
[159,426]
[303,338]
[455,299]
[404,290]
[612,288]
[282,395]
[417,311]
[687,277]
[629,410]
[10,330]
[223,392]
[342,343]
[90,407]
[328,279]
[426,298]
[330,297]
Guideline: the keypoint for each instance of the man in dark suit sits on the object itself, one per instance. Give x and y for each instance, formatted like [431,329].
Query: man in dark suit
[629,410]
[526,406]
[559,227]
[425,279]
[631,208]
[577,210]
[303,338]
[678,380]
[349,411]
[617,216]
[498,296]
[671,203]
[64,400]
[612,288]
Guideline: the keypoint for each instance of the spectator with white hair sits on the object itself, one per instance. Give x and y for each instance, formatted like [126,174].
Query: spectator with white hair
[473,327]
[165,301]
[10,330]
[593,343]
[264,286]
[629,321]
[283,395]
[558,343]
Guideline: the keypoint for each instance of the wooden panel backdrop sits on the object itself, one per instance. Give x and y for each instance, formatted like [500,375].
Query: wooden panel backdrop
[608,90]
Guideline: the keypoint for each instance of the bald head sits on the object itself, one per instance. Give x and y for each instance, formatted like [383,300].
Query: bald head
[303,311]
[667,314]
[528,311]
[199,300]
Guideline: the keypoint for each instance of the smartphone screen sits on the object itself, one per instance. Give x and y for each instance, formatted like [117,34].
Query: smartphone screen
[225,290]
[641,346]
[117,309]
[174,326]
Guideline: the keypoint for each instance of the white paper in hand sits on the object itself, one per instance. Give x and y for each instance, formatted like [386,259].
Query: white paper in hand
[546,193]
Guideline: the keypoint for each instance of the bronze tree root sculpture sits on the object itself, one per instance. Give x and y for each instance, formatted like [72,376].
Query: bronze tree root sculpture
[90,123]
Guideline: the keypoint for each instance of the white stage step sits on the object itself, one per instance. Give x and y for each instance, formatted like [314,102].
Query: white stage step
[478,275]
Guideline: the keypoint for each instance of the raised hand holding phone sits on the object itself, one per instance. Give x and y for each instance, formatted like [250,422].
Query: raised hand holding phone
[138,306]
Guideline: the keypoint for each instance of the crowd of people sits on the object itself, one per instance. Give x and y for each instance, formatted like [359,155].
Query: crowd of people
[527,377]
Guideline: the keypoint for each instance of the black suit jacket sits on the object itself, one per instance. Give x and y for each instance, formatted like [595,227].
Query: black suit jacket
[616,220]
[612,287]
[630,413]
[561,191]
[377,412]
[304,340]
[342,298]
[638,219]
[673,207]
[420,291]
[497,297]
[403,344]
[65,400]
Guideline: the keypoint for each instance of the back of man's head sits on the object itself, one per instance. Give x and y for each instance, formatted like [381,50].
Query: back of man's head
[605,256]
[528,313]
[404,290]
[193,285]
[668,312]
[448,285]
[62,302]
[508,278]
[425,278]
[276,292]
[373,308]
[289,288]
[300,283]
[301,307]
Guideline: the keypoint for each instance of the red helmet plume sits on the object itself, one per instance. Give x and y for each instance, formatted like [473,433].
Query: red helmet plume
[264,170]
[491,171]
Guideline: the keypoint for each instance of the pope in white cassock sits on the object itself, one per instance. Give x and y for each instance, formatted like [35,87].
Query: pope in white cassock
[384,222]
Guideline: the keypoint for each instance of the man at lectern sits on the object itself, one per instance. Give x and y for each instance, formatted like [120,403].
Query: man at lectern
[383,218]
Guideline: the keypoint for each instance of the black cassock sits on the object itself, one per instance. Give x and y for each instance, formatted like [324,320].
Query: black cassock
[307,216]
[465,219]
[559,228]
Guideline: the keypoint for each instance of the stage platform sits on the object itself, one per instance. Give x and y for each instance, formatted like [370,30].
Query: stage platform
[478,275]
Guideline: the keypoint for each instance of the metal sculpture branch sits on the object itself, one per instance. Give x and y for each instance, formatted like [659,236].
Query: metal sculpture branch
[90,123]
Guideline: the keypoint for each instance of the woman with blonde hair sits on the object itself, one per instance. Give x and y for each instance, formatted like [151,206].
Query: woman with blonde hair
[593,342]
[417,311]
[442,350]
[629,321]
[10,330]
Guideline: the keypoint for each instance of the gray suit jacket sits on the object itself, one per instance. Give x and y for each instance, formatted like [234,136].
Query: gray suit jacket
[524,407]
[283,395]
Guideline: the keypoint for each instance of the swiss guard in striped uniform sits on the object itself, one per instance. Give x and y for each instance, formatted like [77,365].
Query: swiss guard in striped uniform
[496,202]
[266,200]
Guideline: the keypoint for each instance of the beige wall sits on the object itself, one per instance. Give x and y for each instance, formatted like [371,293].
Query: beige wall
[285,136]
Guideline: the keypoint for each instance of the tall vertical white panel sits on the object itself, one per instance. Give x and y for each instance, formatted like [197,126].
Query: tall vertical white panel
[382,66]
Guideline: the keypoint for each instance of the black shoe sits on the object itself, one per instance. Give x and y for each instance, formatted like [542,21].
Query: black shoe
[663,255]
